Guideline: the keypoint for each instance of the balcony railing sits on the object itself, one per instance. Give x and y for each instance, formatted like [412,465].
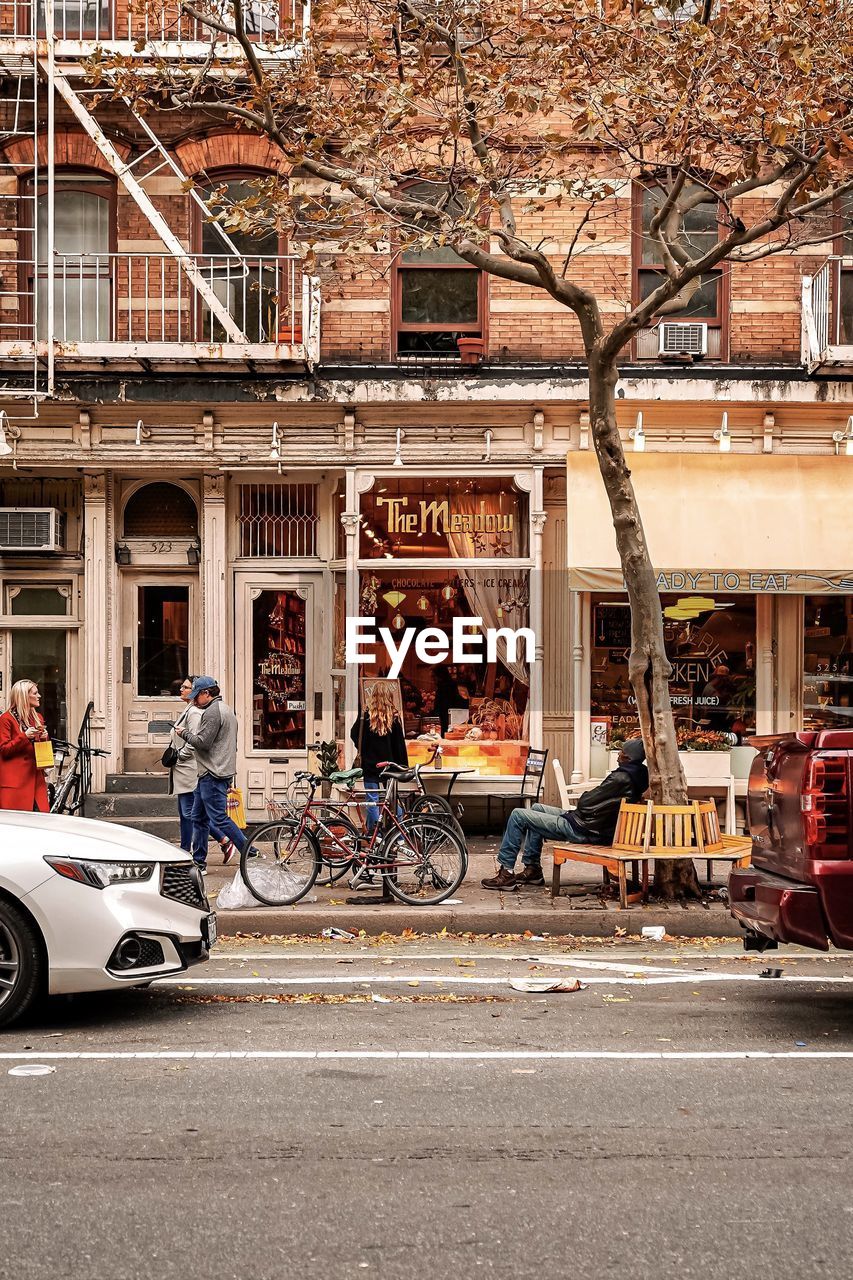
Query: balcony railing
[827,316]
[159,21]
[146,305]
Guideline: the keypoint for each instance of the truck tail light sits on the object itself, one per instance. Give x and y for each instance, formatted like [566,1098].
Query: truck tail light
[823,802]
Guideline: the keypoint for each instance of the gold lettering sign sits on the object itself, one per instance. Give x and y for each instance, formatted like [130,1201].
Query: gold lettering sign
[437,517]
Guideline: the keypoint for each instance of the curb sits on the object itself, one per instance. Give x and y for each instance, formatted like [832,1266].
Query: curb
[679,922]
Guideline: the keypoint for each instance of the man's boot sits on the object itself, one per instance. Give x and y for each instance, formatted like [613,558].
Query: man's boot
[530,874]
[503,880]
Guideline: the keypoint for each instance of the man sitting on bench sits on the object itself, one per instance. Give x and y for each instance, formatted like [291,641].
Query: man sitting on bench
[592,822]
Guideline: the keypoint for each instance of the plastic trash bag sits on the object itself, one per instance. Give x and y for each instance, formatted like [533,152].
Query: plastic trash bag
[275,883]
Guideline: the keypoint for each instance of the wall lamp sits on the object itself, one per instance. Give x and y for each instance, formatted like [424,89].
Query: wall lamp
[398,460]
[724,436]
[844,437]
[638,435]
[122,553]
[487,456]
[194,553]
[142,432]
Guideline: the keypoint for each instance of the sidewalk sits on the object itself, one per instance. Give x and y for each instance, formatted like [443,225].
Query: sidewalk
[581,909]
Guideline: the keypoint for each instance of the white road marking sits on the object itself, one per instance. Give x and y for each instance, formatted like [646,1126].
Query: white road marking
[434,1055]
[473,980]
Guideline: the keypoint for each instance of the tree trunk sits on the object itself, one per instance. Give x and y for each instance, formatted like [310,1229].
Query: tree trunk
[648,666]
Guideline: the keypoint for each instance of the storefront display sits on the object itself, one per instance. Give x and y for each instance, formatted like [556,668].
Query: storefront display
[279,669]
[477,709]
[710,641]
[827,662]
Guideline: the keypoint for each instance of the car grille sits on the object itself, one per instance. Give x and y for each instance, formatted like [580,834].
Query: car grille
[180,882]
[152,954]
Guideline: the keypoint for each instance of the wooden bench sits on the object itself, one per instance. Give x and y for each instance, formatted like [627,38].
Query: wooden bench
[646,832]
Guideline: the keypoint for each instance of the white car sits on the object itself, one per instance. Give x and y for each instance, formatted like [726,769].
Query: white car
[89,906]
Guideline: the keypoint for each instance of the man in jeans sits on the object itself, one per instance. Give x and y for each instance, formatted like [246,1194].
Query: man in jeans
[592,822]
[215,744]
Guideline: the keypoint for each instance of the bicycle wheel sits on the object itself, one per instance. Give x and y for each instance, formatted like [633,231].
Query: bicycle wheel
[438,807]
[430,861]
[338,838]
[279,864]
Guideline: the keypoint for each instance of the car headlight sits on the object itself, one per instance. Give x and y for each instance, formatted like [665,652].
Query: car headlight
[101,874]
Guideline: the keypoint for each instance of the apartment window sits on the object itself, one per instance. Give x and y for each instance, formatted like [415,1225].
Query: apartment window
[78,19]
[845,248]
[438,296]
[247,276]
[84,231]
[699,234]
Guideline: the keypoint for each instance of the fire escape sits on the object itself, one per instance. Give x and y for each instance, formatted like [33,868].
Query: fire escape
[166,307]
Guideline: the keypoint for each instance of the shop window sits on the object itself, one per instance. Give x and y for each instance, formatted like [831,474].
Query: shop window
[160,511]
[278,671]
[245,278]
[477,709]
[828,662]
[710,642]
[700,233]
[162,640]
[278,520]
[38,601]
[437,296]
[462,519]
[84,239]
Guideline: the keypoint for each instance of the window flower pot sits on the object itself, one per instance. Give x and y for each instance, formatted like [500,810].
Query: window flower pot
[470,350]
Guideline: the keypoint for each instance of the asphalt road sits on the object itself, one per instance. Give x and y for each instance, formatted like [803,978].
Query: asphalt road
[404,1112]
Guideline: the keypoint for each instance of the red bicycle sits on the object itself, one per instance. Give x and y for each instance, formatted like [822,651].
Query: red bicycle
[420,856]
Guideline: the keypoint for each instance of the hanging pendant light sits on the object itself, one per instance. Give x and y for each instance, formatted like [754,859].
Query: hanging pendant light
[448,591]
[398,622]
[424,604]
[394,598]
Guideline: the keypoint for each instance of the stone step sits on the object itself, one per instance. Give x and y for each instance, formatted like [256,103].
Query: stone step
[138,783]
[126,805]
[166,828]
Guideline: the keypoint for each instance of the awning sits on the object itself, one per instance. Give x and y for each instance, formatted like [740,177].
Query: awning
[720,522]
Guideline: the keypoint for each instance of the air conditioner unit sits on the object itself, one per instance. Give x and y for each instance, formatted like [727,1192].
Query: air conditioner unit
[676,338]
[30,529]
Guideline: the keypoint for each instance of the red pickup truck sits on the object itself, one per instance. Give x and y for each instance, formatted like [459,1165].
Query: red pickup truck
[800,816]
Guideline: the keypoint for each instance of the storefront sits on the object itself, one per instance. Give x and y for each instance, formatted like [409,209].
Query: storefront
[424,552]
[754,649]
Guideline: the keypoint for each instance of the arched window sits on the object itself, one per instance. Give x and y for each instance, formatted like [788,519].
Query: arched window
[250,277]
[160,511]
[84,239]
[438,297]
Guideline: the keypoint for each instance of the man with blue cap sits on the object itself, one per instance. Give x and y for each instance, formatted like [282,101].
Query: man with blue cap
[215,744]
[592,822]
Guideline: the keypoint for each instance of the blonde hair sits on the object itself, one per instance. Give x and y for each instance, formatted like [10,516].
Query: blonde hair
[381,708]
[19,701]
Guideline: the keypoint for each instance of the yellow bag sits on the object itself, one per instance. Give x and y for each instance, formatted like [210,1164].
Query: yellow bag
[234,807]
[44,754]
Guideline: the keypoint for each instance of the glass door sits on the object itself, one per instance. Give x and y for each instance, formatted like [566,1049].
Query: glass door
[278,676]
[158,651]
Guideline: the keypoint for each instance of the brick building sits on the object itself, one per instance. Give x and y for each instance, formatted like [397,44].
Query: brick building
[207,448]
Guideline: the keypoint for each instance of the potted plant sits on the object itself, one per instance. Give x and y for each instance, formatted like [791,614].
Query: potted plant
[471,349]
[327,764]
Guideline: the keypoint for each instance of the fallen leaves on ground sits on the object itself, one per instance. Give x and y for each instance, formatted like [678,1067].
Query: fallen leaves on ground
[358,997]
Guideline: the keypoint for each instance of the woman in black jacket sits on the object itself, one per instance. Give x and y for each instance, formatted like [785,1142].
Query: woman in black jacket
[378,736]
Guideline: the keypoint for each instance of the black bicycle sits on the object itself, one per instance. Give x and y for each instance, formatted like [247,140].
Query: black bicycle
[73,765]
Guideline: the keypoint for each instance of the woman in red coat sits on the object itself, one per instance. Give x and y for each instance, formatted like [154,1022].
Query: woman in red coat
[22,784]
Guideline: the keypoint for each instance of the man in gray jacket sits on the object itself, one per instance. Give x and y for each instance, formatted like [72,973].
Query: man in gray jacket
[215,745]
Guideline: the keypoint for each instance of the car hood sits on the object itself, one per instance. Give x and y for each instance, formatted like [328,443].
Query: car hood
[84,838]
